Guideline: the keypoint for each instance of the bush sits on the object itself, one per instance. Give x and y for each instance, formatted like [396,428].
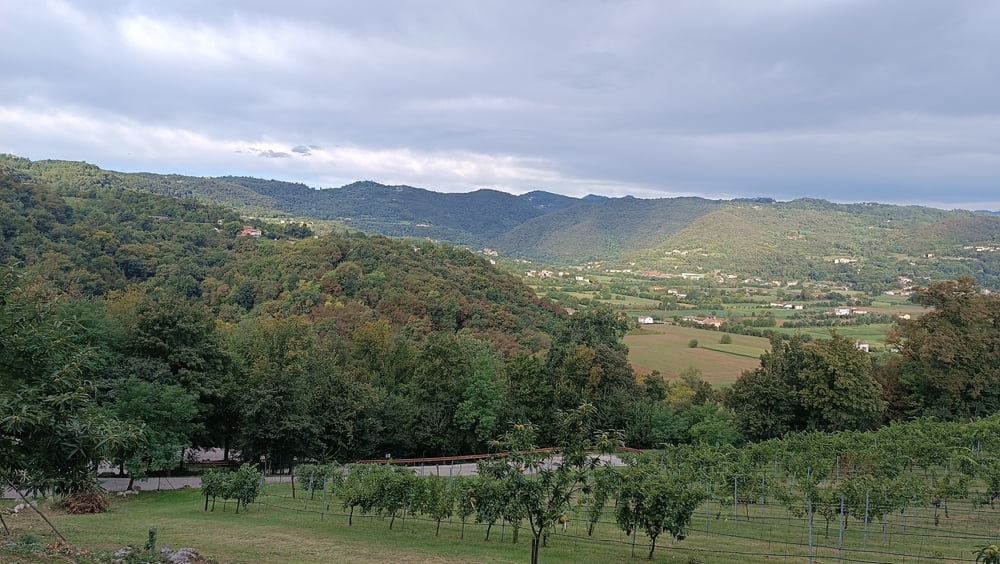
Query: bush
[725,339]
[693,343]
[243,485]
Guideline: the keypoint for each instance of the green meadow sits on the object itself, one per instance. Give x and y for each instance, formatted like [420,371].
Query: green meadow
[666,348]
[303,531]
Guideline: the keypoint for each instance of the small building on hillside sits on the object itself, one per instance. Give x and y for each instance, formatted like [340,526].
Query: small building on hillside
[707,320]
[645,320]
[249,231]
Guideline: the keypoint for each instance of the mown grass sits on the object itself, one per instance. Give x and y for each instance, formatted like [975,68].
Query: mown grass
[874,335]
[286,530]
[666,348]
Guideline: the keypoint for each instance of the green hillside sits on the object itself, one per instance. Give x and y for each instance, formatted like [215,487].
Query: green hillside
[604,229]
[866,246]
[471,219]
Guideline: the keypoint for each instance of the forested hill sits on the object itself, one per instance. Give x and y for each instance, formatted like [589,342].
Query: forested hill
[472,219]
[93,240]
[865,245]
[278,342]
[205,329]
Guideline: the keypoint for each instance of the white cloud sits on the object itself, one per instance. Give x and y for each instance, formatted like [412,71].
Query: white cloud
[111,141]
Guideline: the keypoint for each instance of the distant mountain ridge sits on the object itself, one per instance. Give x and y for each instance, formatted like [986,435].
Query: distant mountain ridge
[472,218]
[748,236]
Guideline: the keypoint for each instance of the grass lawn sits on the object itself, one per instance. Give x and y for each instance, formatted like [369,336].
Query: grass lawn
[666,348]
[290,531]
[631,302]
[293,531]
[871,334]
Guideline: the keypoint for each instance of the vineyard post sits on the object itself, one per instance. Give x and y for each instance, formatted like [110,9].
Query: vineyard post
[708,501]
[260,498]
[868,493]
[840,535]
[763,493]
[810,509]
[322,511]
[736,513]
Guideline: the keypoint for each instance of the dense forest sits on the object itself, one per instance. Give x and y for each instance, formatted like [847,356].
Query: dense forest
[133,325]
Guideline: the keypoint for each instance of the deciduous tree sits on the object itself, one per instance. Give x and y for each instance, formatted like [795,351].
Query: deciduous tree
[952,352]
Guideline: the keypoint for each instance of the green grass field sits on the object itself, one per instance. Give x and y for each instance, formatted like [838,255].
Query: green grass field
[666,348]
[294,531]
[874,335]
[630,302]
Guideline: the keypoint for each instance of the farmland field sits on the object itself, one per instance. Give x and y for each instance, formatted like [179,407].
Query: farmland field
[871,334]
[666,348]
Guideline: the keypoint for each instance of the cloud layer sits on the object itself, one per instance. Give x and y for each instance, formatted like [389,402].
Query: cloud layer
[883,100]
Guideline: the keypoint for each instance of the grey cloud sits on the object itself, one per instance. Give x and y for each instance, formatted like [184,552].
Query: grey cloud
[832,99]
[273,154]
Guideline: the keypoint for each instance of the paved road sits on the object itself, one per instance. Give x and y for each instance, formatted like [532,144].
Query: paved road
[153,484]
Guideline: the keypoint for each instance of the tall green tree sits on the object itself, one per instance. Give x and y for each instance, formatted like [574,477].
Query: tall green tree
[588,363]
[826,384]
[168,415]
[276,365]
[448,413]
[173,340]
[764,400]
[53,434]
[951,353]
[837,389]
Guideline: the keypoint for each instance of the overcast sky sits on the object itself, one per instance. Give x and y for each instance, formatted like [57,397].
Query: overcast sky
[892,101]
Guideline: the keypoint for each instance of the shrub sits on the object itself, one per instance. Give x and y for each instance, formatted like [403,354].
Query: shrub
[243,485]
[693,343]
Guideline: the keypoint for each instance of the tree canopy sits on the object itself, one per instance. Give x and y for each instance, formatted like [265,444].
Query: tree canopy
[951,354]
